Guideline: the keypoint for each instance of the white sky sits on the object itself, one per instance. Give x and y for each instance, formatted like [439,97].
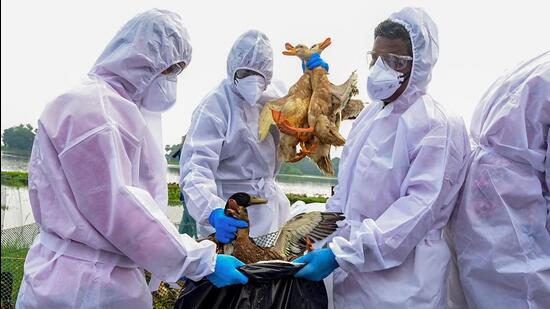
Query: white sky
[47,46]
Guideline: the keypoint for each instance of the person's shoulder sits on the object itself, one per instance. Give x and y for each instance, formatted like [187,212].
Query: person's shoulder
[427,116]
[79,101]
[87,107]
[215,104]
[90,97]
[427,113]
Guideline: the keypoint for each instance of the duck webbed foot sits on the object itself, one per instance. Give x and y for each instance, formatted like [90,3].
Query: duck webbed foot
[304,151]
[285,127]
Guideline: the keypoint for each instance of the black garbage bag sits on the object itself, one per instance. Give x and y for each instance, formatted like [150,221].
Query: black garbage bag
[271,285]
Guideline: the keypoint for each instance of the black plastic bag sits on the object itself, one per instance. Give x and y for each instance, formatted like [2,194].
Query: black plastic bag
[270,285]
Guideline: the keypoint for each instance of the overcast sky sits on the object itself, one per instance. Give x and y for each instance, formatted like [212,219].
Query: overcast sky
[48,46]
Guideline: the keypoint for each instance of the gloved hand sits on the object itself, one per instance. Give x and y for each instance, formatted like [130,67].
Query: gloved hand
[226,272]
[313,62]
[226,227]
[319,264]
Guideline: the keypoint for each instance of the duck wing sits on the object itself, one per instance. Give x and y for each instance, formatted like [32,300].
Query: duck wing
[352,109]
[341,94]
[266,119]
[315,225]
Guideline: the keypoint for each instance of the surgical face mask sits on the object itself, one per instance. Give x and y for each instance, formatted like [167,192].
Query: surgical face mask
[383,81]
[251,88]
[161,94]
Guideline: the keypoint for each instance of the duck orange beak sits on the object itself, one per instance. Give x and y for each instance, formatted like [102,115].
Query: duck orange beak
[290,50]
[325,43]
[256,200]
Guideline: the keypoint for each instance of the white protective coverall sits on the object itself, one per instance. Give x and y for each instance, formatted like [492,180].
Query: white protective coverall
[500,228]
[400,174]
[97,183]
[222,154]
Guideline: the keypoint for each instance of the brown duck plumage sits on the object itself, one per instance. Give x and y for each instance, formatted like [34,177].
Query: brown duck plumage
[294,238]
[311,112]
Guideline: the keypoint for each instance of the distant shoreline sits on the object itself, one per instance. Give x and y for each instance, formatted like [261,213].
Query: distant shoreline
[20,180]
[173,166]
[16,152]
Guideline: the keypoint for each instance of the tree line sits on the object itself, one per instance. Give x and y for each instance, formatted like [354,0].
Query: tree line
[19,138]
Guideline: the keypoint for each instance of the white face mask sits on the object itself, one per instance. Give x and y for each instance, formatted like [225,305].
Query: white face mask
[383,81]
[251,88]
[161,94]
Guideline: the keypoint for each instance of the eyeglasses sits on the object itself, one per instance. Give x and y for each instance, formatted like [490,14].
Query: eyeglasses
[174,69]
[243,73]
[396,62]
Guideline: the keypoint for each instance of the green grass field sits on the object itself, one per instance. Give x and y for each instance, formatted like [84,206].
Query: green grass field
[13,260]
[15,179]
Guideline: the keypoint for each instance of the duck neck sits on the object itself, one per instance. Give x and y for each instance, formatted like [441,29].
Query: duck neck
[243,233]
[318,75]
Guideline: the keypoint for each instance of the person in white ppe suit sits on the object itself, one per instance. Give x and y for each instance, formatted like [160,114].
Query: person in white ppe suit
[97,181]
[501,225]
[222,153]
[399,177]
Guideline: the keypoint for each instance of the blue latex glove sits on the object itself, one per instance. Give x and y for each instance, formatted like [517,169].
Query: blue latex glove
[226,227]
[226,272]
[315,61]
[319,264]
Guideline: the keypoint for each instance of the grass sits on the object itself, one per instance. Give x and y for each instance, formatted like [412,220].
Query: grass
[173,194]
[14,251]
[13,260]
[173,162]
[306,199]
[15,179]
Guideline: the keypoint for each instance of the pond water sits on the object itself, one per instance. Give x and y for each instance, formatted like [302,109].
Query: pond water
[11,162]
[16,210]
[16,207]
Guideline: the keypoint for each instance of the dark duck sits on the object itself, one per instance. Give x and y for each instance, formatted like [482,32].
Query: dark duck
[294,238]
